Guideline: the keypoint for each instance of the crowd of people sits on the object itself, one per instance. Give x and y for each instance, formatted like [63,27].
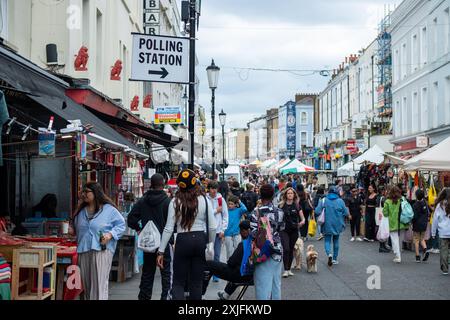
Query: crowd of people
[258,223]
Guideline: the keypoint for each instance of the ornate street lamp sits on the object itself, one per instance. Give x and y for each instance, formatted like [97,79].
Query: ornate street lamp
[223,119]
[213,79]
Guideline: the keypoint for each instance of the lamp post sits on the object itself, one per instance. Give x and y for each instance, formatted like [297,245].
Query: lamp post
[327,150]
[223,119]
[213,78]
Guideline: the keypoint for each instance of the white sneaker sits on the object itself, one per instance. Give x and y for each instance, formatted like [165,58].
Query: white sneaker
[359,239]
[371,240]
[397,260]
[335,262]
[445,273]
[437,251]
[365,239]
[285,274]
[291,273]
[352,239]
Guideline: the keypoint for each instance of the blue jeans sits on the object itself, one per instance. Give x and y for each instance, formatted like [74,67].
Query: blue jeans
[267,279]
[217,250]
[328,238]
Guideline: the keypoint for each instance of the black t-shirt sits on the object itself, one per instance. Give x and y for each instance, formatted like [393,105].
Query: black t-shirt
[354,205]
[291,216]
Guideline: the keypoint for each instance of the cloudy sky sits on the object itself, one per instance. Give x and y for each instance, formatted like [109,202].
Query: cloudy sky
[283,34]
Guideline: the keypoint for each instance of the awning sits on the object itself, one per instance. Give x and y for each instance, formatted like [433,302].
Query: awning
[49,91]
[433,159]
[373,155]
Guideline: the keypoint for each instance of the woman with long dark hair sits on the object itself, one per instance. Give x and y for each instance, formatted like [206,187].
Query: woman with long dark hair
[369,213]
[441,223]
[192,213]
[293,219]
[397,229]
[307,209]
[98,226]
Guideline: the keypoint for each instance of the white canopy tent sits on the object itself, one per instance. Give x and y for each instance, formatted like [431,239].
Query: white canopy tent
[373,155]
[436,158]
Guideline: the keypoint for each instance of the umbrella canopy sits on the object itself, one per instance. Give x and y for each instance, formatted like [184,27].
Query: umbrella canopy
[268,163]
[282,163]
[256,163]
[296,166]
[434,159]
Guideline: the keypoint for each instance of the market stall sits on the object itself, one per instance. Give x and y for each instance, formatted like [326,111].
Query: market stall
[295,166]
[373,155]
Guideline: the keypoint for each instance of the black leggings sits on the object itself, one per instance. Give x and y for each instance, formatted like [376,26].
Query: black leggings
[189,263]
[355,224]
[370,223]
[288,240]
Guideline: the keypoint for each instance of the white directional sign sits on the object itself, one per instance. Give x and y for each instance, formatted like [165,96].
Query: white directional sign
[160,59]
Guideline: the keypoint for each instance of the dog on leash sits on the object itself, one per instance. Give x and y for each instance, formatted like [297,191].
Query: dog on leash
[311,259]
[298,253]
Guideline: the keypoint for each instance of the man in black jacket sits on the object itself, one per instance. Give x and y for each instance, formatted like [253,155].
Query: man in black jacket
[154,206]
[230,271]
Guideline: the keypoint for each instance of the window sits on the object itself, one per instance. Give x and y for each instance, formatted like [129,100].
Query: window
[4,19]
[415,124]
[396,115]
[424,109]
[447,100]
[304,118]
[447,30]
[99,49]
[414,54]
[435,39]
[424,46]
[404,115]
[436,119]
[304,138]
[397,63]
[404,62]
[86,23]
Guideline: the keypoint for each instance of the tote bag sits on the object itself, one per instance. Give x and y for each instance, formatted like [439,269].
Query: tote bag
[312,227]
[149,239]
[379,213]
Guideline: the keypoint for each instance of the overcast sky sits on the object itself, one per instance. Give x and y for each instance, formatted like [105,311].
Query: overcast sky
[283,34]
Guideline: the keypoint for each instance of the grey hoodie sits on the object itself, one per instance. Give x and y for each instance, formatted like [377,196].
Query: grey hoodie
[441,222]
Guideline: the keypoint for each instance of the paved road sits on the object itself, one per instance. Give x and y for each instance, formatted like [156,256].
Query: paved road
[348,280]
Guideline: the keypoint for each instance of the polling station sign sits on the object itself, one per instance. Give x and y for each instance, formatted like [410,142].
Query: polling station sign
[168,115]
[160,59]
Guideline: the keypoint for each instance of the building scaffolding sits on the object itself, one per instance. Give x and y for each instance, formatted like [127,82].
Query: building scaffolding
[384,68]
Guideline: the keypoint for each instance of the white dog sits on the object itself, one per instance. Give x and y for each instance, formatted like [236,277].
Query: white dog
[298,254]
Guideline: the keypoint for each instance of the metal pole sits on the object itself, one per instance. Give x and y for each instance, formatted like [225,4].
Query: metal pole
[213,138]
[223,153]
[193,14]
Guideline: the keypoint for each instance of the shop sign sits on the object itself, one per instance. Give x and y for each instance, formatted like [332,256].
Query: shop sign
[152,17]
[351,147]
[47,144]
[168,115]
[291,124]
[160,59]
[422,142]
[361,144]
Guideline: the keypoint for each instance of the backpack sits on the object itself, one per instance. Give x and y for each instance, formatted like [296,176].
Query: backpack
[149,239]
[262,246]
[407,212]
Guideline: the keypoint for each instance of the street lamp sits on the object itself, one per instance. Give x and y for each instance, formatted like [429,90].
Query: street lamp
[213,78]
[223,118]
[327,150]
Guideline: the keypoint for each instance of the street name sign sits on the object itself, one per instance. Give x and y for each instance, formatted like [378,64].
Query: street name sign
[160,59]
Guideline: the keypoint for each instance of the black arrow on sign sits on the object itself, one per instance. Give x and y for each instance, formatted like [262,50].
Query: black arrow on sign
[164,73]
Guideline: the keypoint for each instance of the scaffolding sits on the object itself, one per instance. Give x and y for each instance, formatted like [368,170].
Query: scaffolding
[384,68]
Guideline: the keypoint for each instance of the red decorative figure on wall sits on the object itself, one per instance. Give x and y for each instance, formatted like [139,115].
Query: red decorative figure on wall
[147,101]
[82,59]
[135,104]
[116,70]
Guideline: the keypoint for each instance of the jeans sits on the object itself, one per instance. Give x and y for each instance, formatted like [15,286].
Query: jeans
[328,239]
[355,224]
[445,243]
[267,279]
[370,223]
[396,242]
[217,250]
[224,272]
[231,244]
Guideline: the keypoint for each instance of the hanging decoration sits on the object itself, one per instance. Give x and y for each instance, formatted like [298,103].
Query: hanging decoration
[135,104]
[116,70]
[81,59]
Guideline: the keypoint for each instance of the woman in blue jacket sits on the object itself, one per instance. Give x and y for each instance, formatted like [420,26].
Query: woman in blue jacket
[98,226]
[335,213]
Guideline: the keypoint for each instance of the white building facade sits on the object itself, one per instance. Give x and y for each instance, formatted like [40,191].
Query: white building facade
[258,139]
[420,33]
